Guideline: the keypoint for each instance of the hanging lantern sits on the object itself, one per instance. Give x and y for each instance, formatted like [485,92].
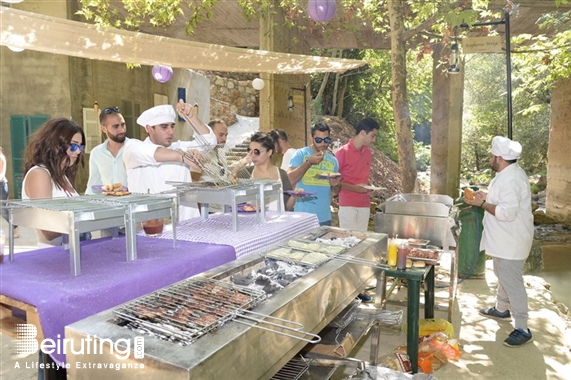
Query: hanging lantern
[321,10]
[162,74]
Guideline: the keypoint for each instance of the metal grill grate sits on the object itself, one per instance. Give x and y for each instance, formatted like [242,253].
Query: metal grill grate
[186,311]
[292,370]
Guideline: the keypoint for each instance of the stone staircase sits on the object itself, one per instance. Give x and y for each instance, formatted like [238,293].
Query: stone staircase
[238,152]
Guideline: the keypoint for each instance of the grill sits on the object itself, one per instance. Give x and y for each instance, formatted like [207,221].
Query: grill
[293,370]
[72,216]
[420,216]
[184,312]
[250,343]
[254,191]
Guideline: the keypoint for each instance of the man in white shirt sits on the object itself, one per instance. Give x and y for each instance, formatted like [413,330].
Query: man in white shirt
[508,235]
[157,159]
[106,164]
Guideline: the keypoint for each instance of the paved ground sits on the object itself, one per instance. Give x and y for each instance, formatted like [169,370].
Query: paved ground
[483,354]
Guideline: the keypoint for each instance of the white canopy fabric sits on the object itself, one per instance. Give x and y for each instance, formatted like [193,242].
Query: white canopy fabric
[60,36]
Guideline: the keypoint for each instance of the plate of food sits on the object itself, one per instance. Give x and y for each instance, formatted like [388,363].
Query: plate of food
[299,193]
[417,243]
[246,207]
[429,256]
[373,188]
[115,189]
[328,175]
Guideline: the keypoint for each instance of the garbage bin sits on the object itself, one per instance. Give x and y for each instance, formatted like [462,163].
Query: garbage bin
[471,261]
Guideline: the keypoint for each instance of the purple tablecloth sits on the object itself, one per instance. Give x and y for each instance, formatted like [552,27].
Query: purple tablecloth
[42,278]
[251,235]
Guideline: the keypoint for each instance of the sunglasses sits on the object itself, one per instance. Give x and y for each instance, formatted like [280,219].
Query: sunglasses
[319,140]
[110,110]
[73,147]
[256,151]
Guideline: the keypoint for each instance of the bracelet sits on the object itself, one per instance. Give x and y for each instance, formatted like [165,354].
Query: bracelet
[482,205]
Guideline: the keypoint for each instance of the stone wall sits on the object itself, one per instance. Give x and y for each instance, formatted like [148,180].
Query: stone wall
[231,96]
[558,202]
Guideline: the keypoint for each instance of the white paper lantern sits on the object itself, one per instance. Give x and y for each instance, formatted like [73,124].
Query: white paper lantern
[258,83]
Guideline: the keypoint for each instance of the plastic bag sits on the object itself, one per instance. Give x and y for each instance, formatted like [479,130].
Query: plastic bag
[435,351]
[431,326]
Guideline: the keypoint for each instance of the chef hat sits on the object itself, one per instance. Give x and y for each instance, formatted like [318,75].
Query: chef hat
[157,115]
[505,148]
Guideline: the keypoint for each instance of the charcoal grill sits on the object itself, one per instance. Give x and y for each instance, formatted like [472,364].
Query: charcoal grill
[72,216]
[234,350]
[253,191]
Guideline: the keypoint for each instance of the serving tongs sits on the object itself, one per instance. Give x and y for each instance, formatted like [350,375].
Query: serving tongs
[295,328]
[358,260]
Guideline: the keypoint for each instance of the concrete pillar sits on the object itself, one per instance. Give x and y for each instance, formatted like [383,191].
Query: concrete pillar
[558,201]
[274,113]
[446,131]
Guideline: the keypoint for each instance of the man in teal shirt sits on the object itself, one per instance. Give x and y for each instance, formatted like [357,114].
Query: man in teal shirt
[315,170]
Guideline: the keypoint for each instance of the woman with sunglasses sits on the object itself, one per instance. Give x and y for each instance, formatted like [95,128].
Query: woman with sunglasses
[259,154]
[52,158]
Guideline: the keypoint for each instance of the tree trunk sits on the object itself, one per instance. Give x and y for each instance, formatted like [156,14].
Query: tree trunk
[342,98]
[335,89]
[325,79]
[407,159]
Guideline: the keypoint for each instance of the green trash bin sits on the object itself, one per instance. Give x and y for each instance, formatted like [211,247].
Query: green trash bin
[471,261]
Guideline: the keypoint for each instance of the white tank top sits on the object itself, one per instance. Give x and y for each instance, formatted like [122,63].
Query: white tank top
[56,193]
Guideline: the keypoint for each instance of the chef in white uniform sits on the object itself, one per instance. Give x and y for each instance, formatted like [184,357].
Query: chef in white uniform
[157,159]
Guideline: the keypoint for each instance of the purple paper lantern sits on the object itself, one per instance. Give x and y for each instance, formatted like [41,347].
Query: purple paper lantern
[321,10]
[162,74]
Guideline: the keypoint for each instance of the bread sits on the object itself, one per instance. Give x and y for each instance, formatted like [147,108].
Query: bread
[419,264]
[469,194]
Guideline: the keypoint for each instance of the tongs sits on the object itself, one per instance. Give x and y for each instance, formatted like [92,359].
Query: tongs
[295,328]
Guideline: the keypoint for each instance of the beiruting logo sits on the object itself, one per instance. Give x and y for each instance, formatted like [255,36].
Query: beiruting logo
[26,343]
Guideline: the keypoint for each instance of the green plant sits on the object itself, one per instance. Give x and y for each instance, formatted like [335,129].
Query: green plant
[422,154]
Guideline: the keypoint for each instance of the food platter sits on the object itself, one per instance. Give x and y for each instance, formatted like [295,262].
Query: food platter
[373,188]
[417,243]
[112,190]
[246,208]
[299,194]
[328,175]
[429,256]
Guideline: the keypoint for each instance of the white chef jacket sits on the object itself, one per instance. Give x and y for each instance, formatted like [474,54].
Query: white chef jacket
[509,234]
[146,175]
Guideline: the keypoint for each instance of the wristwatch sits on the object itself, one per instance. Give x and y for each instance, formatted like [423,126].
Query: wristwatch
[307,160]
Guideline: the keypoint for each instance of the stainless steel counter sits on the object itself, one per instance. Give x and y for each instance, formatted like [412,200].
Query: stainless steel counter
[236,351]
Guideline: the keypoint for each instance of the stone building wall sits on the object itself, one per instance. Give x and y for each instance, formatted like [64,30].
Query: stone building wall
[231,96]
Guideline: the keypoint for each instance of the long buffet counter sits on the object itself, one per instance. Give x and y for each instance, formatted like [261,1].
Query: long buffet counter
[41,279]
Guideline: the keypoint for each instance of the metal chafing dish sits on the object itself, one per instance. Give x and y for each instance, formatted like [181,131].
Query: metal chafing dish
[234,350]
[72,216]
[425,216]
[255,191]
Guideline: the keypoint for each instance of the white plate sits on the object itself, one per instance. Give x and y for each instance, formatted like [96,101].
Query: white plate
[374,188]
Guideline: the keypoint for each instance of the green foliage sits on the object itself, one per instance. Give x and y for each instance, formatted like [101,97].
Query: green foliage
[485,110]
[422,154]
